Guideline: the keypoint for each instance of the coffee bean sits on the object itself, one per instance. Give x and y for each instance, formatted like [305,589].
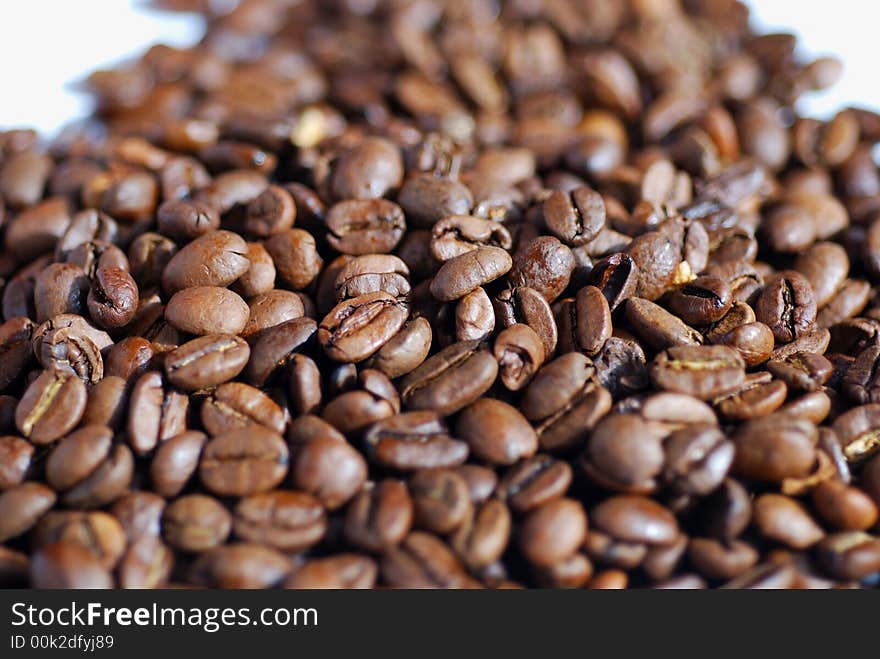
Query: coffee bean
[236,405]
[243,462]
[175,462]
[365,226]
[534,481]
[553,531]
[286,520]
[196,523]
[215,259]
[464,273]
[782,519]
[22,506]
[575,217]
[356,328]
[156,413]
[51,407]
[414,440]
[625,454]
[585,322]
[380,516]
[340,571]
[206,361]
[329,468]
[242,565]
[207,310]
[775,447]
[701,371]
[441,500]
[451,379]
[496,432]
[455,235]
[787,306]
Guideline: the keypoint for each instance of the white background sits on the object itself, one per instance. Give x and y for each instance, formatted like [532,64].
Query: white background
[47,45]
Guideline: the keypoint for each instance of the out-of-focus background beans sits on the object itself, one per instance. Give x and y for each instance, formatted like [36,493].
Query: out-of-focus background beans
[48,45]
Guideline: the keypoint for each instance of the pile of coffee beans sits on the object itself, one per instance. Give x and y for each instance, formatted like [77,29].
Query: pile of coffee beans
[388,293]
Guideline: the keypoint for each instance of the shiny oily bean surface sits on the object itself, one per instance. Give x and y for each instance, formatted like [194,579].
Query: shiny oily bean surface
[541,295]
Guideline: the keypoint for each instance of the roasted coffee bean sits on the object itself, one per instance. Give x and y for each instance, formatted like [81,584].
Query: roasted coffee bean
[287,520]
[242,565]
[575,217]
[414,440]
[657,327]
[89,469]
[426,198]
[775,447]
[701,371]
[113,298]
[206,361]
[99,533]
[455,235]
[175,462]
[850,555]
[51,407]
[496,432]
[16,353]
[703,301]
[196,523]
[365,226]
[68,565]
[727,511]
[787,306]
[260,277]
[272,211]
[527,306]
[756,397]
[625,454]
[721,559]
[585,322]
[802,371]
[553,531]
[15,460]
[380,517]
[147,563]
[782,519]
[405,351]
[451,379]
[204,310]
[62,288]
[155,413]
[295,256]
[843,506]
[140,514]
[236,405]
[215,259]
[441,500]
[422,561]
[22,506]
[520,354]
[276,347]
[617,276]
[858,432]
[631,518]
[534,481]
[354,329]
[329,468]
[543,264]
[465,273]
[342,571]
[243,462]
[185,220]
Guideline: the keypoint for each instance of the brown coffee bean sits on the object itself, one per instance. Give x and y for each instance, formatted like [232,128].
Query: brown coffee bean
[858,431]
[464,273]
[356,328]
[441,500]
[527,306]
[543,264]
[657,327]
[496,432]
[451,379]
[843,506]
[575,217]
[414,440]
[236,405]
[206,361]
[343,571]
[215,259]
[405,351]
[534,481]
[850,555]
[625,454]
[61,288]
[242,565]
[365,226]
[196,523]
[295,256]
[787,306]
[775,447]
[782,519]
[329,468]
[482,538]
[380,516]
[99,533]
[68,565]
[147,564]
[22,506]
[287,520]
[721,559]
[585,322]
[15,460]
[243,462]
[455,235]
[175,462]
[204,310]
[633,518]
[422,561]
[155,413]
[553,531]
[51,407]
